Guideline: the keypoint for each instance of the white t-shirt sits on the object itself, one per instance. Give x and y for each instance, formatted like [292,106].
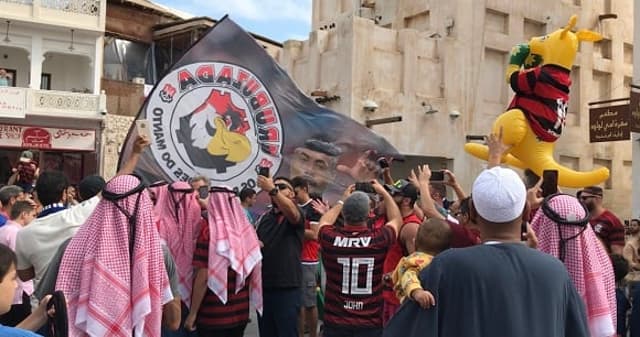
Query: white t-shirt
[37,243]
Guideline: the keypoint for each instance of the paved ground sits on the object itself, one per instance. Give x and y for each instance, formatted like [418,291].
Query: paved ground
[252,328]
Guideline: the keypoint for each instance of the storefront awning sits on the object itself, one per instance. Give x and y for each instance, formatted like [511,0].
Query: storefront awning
[46,138]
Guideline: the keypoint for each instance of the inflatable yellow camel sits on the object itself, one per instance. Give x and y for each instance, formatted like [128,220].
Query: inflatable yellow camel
[537,113]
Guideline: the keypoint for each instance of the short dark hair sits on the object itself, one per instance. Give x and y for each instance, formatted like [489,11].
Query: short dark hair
[530,178]
[19,207]
[247,193]
[315,196]
[464,206]
[7,259]
[8,192]
[90,186]
[300,182]
[434,235]
[50,187]
[285,179]
[620,267]
[635,220]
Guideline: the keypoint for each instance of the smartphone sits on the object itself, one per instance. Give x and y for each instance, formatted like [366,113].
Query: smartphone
[383,163]
[203,192]
[437,176]
[142,127]
[263,171]
[549,182]
[365,187]
[523,230]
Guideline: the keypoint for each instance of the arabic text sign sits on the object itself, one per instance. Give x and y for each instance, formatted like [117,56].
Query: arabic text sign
[634,111]
[12,102]
[609,124]
[33,137]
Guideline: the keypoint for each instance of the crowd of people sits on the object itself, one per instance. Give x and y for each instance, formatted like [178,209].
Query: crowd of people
[389,258]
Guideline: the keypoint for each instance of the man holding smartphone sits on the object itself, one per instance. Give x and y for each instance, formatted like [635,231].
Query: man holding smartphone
[353,256]
[281,231]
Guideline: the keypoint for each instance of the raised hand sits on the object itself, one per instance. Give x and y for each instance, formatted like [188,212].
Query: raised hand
[319,206]
[364,168]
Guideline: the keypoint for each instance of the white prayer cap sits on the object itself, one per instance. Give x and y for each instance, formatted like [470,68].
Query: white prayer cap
[499,195]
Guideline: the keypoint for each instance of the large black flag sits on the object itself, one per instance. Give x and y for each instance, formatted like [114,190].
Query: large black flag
[226,107]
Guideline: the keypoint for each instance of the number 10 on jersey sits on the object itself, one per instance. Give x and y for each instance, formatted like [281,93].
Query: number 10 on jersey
[351,272]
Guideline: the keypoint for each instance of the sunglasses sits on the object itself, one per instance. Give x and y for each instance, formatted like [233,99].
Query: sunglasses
[587,197]
[283,187]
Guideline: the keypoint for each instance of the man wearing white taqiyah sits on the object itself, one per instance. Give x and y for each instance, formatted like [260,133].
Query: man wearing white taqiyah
[499,288]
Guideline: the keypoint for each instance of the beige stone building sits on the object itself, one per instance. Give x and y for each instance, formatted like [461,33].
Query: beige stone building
[440,65]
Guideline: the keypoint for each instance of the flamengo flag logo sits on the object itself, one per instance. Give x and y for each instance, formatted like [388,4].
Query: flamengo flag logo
[215,119]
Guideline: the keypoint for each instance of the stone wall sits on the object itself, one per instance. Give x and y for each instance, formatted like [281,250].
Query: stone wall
[430,60]
[115,132]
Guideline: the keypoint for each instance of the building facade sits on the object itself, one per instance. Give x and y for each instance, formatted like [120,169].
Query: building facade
[50,99]
[440,66]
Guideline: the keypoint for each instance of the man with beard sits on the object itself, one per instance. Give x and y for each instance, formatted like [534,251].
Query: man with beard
[316,161]
[607,226]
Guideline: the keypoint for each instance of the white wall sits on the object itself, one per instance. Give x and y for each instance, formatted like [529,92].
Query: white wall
[68,72]
[16,59]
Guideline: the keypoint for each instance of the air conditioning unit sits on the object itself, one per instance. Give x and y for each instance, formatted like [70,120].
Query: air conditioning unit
[368,3]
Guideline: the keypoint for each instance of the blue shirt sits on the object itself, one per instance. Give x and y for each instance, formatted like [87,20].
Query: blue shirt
[6,331]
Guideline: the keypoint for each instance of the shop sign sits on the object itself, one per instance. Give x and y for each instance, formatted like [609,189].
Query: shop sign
[608,124]
[35,137]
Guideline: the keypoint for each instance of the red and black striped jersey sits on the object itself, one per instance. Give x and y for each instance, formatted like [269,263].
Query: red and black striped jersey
[353,258]
[214,314]
[542,93]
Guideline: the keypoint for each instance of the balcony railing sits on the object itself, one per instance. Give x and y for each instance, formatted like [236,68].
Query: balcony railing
[79,14]
[88,7]
[20,102]
[21,2]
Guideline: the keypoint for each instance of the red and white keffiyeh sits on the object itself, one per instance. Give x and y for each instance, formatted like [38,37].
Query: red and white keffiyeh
[233,243]
[178,217]
[586,260]
[108,294]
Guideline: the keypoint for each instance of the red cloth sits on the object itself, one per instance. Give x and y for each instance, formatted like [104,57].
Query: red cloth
[178,217]
[462,236]
[542,93]
[396,252]
[586,260]
[233,244]
[107,295]
[609,229]
[310,248]
[26,169]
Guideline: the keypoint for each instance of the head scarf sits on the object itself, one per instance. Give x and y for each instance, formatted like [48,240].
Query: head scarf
[113,272]
[153,190]
[585,258]
[233,243]
[178,218]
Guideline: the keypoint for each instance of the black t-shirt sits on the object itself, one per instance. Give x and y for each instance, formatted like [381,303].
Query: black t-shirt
[282,240]
[310,214]
[504,289]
